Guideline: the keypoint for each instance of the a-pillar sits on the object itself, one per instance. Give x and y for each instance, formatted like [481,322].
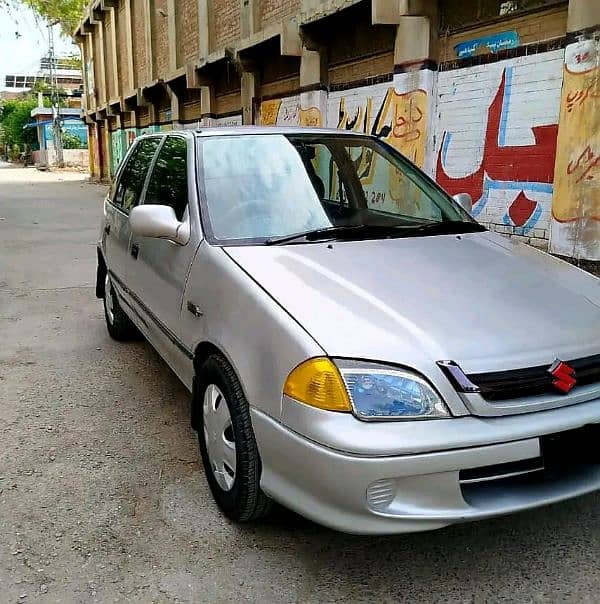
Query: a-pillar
[575,226]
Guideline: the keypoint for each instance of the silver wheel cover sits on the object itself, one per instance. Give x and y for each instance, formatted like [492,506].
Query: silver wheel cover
[219,437]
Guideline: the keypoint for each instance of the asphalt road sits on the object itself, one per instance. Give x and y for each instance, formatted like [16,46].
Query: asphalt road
[102,498]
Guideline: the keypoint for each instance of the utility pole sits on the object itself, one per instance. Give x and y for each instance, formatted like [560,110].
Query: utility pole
[55,99]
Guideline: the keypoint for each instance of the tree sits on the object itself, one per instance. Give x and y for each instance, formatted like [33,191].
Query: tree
[71,141]
[15,114]
[67,13]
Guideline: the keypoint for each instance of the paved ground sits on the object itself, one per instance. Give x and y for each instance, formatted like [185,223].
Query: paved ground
[102,498]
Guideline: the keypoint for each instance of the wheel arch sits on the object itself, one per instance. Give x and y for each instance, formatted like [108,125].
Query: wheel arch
[202,351]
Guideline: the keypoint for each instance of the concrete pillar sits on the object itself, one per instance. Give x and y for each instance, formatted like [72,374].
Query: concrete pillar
[249,17]
[204,28]
[583,14]
[150,59]
[131,83]
[413,36]
[175,105]
[207,102]
[250,87]
[172,33]
[114,58]
[313,78]
[100,62]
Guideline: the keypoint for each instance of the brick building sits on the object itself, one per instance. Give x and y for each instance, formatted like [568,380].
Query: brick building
[500,99]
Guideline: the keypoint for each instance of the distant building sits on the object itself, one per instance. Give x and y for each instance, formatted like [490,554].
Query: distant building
[73,124]
[70,80]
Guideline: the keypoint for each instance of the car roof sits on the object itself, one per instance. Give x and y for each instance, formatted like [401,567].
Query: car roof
[243,130]
[208,131]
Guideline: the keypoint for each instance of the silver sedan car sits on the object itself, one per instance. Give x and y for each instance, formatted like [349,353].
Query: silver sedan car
[357,346]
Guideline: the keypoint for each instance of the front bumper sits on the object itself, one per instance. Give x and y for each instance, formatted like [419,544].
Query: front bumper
[368,494]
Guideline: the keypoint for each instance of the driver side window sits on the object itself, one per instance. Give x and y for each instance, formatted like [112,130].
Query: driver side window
[131,182]
[168,182]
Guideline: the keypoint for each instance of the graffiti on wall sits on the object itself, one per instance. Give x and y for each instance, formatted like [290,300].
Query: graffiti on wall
[576,204]
[280,112]
[298,110]
[398,117]
[510,173]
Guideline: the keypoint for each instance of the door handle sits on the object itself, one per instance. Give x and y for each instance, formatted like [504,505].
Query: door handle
[107,229]
[135,250]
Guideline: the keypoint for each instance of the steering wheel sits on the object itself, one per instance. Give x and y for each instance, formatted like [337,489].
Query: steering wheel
[245,212]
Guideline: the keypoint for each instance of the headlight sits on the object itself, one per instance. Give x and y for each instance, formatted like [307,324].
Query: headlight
[372,392]
[378,392]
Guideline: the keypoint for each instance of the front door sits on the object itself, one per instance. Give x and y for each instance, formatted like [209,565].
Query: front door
[124,196]
[162,266]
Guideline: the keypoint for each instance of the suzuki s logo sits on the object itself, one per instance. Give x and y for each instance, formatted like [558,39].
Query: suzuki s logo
[564,376]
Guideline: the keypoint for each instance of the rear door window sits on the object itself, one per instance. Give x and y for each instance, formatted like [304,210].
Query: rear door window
[133,177]
[168,184]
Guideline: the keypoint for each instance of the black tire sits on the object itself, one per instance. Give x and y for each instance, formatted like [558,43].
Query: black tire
[119,325]
[244,501]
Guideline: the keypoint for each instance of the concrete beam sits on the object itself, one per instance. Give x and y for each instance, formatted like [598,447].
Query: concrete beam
[413,40]
[388,12]
[583,14]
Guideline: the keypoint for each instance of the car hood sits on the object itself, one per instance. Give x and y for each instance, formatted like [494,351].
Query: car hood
[482,300]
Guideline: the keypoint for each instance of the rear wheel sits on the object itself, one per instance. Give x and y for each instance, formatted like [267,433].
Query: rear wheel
[227,443]
[119,325]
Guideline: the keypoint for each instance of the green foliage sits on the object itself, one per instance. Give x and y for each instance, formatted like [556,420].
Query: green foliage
[66,12]
[71,62]
[71,141]
[14,114]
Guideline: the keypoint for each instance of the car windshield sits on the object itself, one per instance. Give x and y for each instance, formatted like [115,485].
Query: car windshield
[266,188]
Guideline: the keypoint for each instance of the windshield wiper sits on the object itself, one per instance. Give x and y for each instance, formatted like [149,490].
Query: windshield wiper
[378,231]
[333,232]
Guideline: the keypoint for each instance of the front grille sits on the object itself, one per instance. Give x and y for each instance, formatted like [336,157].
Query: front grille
[532,381]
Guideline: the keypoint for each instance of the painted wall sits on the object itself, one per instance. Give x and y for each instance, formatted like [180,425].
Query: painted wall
[495,138]
[398,111]
[576,205]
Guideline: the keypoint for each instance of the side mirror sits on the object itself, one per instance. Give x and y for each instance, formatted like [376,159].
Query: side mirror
[464,201]
[159,222]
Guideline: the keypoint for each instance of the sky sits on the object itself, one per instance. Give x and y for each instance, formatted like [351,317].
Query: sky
[22,53]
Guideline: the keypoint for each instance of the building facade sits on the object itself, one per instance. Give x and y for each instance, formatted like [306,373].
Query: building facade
[499,99]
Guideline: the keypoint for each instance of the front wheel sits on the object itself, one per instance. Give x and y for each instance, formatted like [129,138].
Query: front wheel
[227,443]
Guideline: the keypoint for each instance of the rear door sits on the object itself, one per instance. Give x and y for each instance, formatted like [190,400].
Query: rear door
[162,266]
[126,194]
